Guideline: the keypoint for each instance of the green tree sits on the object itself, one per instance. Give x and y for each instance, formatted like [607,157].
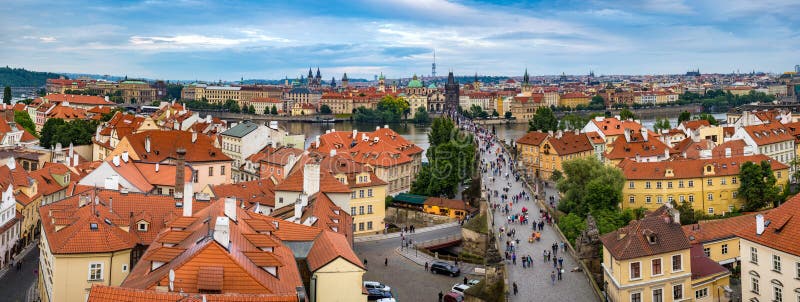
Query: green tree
[597,103]
[274,110]
[442,131]
[173,92]
[22,118]
[556,176]
[626,114]
[710,118]
[573,121]
[7,95]
[421,116]
[232,106]
[508,115]
[661,124]
[77,132]
[589,185]
[543,120]
[325,109]
[451,158]
[757,186]
[685,116]
[495,113]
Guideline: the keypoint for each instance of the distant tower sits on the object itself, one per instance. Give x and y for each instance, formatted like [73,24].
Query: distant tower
[318,78]
[381,83]
[333,82]
[451,94]
[475,83]
[345,81]
[526,84]
[433,66]
[310,77]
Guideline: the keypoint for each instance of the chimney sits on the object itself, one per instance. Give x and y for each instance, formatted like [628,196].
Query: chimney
[147,144]
[316,142]
[12,163]
[124,156]
[355,133]
[644,133]
[311,179]
[627,135]
[727,152]
[666,152]
[75,160]
[115,160]
[71,150]
[111,205]
[759,224]
[156,167]
[298,210]
[333,152]
[107,99]
[386,126]
[187,200]
[194,137]
[230,208]
[180,165]
[377,128]
[274,144]
[222,229]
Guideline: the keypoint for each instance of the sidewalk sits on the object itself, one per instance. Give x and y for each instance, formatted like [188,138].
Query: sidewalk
[397,234]
[420,258]
[21,255]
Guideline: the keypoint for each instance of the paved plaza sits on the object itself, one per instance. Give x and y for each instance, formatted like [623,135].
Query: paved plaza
[534,283]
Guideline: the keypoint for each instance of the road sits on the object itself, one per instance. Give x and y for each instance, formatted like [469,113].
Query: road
[535,281]
[14,284]
[409,281]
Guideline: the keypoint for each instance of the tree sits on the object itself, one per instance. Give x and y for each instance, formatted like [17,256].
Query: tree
[442,130]
[589,185]
[252,109]
[274,110]
[508,115]
[543,120]
[661,124]
[685,116]
[421,116]
[231,106]
[626,114]
[495,113]
[556,176]
[325,109]
[7,95]
[77,132]
[573,121]
[22,118]
[710,118]
[451,158]
[389,110]
[597,103]
[757,186]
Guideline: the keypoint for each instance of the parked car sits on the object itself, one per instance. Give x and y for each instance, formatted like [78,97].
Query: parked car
[472,282]
[378,295]
[377,285]
[444,268]
[459,288]
[453,297]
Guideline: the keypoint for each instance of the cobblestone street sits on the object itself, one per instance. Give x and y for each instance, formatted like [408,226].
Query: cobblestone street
[534,283]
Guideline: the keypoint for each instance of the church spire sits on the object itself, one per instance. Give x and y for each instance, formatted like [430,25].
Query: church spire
[526,78]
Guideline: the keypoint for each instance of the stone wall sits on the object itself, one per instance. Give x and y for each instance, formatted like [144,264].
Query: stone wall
[473,242]
[403,217]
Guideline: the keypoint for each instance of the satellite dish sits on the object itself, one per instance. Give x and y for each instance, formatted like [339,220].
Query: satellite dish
[171,279]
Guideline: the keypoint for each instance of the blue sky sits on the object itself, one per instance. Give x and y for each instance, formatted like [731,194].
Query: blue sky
[211,40]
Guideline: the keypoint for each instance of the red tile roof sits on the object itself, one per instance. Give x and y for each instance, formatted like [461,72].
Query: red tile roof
[611,126]
[255,191]
[330,246]
[706,231]
[78,99]
[780,231]
[632,241]
[164,143]
[691,168]
[103,293]
[532,138]
[390,149]
[570,143]
[620,149]
[702,266]
[769,133]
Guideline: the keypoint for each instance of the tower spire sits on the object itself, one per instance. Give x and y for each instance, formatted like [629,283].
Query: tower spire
[433,65]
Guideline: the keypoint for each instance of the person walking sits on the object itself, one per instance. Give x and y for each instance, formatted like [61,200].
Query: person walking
[553,277]
[386,262]
[561,261]
[365,262]
[465,280]
[441,295]
[555,262]
[426,266]
[560,270]
[515,288]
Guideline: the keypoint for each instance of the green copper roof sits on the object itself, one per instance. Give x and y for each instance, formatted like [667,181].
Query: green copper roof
[410,198]
[133,82]
[241,129]
[432,86]
[414,84]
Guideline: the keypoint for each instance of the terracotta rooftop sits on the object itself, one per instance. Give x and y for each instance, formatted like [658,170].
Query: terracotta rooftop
[780,231]
[103,293]
[706,231]
[691,168]
[254,191]
[532,138]
[569,143]
[78,99]
[164,143]
[389,150]
[652,235]
[702,266]
[769,133]
[447,203]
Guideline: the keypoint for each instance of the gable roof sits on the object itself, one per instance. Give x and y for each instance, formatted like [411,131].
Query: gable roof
[768,133]
[77,99]
[781,228]
[104,293]
[328,247]
[241,130]
[163,145]
[631,241]
[532,138]
[570,143]
[692,168]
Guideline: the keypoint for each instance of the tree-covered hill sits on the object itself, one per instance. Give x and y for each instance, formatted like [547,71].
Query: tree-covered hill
[17,77]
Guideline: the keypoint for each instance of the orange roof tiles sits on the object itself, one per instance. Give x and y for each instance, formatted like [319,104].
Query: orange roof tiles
[210,277]
[164,143]
[696,124]
[328,247]
[691,168]
[611,126]
[261,191]
[103,293]
[621,149]
[390,149]
[631,241]
[706,231]
[769,133]
[532,138]
[164,254]
[780,231]
[447,203]
[570,143]
[78,99]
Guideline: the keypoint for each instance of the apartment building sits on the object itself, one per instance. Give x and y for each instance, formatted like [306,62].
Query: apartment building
[245,139]
[10,218]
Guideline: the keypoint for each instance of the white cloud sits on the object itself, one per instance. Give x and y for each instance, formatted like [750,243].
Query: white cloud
[47,39]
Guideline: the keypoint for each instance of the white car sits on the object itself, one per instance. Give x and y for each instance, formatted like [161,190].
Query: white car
[377,285]
[459,288]
[386,300]
[472,282]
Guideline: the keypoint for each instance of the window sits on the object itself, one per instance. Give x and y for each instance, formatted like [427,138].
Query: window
[680,184]
[631,199]
[369,225]
[142,227]
[353,195]
[360,226]
[658,295]
[221,170]
[798,272]
[724,249]
[636,271]
[710,197]
[779,174]
[707,252]
[691,198]
[636,297]
[210,171]
[677,264]
[734,194]
[360,193]
[630,185]
[702,293]
[369,209]
[682,198]
[369,192]
[124,268]
[776,263]
[360,210]
[777,293]
[733,180]
[656,267]
[754,284]
[660,199]
[95,271]
[647,199]
[677,292]
[647,185]
[691,183]
[710,182]
[669,199]
[658,185]
[352,211]
[753,255]
[669,185]
[722,181]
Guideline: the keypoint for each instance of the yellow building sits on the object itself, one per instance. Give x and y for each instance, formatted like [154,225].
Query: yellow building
[718,237]
[574,99]
[650,259]
[709,185]
[528,148]
[452,208]
[560,148]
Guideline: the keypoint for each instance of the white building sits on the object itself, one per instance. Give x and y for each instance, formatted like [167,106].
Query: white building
[247,138]
[771,139]
[9,218]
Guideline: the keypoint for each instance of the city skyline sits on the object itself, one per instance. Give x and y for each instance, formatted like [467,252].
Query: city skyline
[203,40]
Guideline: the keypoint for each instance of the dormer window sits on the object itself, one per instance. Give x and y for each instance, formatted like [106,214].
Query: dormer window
[141,226]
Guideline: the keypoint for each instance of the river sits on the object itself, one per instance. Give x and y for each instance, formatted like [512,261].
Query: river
[418,134]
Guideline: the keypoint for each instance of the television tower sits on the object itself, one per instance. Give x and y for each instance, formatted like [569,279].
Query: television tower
[433,66]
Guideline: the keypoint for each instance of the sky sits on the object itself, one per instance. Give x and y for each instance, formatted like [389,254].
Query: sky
[229,40]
